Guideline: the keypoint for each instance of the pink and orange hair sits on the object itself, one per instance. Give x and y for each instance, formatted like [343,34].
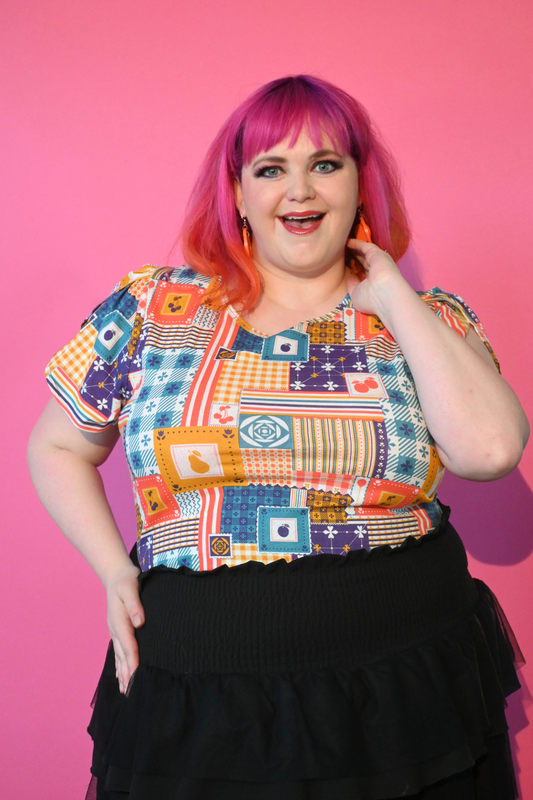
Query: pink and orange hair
[211,234]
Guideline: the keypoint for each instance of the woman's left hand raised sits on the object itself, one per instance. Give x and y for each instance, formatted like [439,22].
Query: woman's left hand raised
[380,272]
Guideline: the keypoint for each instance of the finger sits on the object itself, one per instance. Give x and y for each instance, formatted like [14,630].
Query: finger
[132,603]
[127,661]
[121,669]
[127,652]
[360,246]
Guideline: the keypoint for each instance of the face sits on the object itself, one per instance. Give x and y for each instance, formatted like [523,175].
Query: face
[301,204]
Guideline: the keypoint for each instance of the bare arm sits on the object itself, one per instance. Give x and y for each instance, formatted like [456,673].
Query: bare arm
[63,462]
[475,418]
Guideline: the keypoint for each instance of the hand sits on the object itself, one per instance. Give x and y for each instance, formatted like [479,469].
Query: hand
[380,272]
[124,614]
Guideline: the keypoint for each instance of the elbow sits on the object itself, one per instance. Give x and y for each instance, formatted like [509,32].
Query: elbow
[494,460]
[503,460]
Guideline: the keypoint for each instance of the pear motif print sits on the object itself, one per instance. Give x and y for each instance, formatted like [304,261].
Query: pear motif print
[202,459]
[197,465]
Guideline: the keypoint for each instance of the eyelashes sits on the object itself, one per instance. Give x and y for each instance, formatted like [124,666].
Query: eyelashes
[263,172]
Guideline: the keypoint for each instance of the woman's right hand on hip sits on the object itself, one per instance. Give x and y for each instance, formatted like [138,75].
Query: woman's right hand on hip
[124,614]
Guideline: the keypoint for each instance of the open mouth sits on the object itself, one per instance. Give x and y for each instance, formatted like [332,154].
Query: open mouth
[300,223]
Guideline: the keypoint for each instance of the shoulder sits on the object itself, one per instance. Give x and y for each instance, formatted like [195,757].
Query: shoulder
[150,273]
[438,298]
[456,313]
[133,293]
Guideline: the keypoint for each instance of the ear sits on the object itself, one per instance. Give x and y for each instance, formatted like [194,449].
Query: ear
[237,190]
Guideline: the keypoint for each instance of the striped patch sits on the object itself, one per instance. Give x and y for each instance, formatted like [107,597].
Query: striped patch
[169,338]
[338,405]
[200,396]
[180,533]
[345,447]
[382,348]
[82,414]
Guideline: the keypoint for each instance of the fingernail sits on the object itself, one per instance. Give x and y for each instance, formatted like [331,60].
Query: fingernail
[137,620]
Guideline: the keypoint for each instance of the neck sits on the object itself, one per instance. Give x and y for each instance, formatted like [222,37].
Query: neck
[288,299]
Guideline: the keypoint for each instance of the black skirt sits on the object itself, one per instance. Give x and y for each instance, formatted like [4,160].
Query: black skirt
[375,675]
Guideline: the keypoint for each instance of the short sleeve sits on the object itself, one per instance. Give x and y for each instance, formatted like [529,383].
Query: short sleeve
[453,310]
[94,375]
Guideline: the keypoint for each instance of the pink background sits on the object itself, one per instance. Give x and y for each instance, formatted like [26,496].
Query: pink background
[107,109]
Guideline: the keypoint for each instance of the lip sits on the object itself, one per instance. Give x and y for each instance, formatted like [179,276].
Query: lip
[302,231]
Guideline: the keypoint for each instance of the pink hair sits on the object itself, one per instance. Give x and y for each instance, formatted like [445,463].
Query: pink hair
[211,234]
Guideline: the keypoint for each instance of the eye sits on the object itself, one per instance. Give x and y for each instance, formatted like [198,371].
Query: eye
[327,166]
[267,172]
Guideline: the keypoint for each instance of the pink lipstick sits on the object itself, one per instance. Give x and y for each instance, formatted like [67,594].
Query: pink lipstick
[302,222]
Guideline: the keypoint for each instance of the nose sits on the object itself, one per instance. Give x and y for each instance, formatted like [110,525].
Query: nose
[300,187]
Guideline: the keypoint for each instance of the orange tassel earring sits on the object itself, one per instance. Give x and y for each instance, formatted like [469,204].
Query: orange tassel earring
[247,238]
[362,231]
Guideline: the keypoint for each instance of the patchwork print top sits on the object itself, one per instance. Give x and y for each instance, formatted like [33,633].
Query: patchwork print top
[244,446]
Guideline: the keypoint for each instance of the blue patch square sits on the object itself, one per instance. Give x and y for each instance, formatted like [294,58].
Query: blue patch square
[220,545]
[406,466]
[386,368]
[397,397]
[283,530]
[286,346]
[239,508]
[265,430]
[113,336]
[248,342]
[154,360]
[179,557]
[405,429]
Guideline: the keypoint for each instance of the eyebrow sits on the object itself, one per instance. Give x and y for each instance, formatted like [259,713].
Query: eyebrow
[280,160]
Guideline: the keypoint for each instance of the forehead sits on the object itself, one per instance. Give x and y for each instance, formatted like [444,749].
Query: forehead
[303,145]
[312,133]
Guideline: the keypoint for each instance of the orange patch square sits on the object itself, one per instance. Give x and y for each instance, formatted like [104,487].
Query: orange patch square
[434,476]
[390,494]
[368,326]
[198,458]
[249,552]
[265,465]
[155,500]
[76,357]
[248,371]
[175,303]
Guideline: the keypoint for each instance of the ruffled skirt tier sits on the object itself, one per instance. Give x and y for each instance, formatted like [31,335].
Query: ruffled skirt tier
[370,676]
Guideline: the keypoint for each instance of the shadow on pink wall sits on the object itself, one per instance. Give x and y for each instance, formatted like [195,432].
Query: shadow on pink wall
[479,510]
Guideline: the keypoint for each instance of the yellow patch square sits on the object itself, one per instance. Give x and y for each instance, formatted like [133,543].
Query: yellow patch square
[199,457]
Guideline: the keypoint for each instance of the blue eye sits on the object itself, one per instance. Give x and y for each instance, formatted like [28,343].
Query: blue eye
[267,172]
[327,166]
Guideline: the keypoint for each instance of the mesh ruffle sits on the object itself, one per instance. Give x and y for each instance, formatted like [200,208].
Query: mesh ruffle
[384,729]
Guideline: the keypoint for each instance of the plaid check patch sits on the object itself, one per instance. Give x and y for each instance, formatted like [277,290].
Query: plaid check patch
[249,552]
[268,466]
[77,356]
[249,372]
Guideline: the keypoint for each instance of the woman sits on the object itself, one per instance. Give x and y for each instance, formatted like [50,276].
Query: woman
[306,625]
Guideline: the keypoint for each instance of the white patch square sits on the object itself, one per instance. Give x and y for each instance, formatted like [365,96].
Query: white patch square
[365,384]
[109,335]
[224,414]
[283,346]
[283,529]
[197,460]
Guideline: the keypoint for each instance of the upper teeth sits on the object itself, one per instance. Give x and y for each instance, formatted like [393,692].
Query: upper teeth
[299,219]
